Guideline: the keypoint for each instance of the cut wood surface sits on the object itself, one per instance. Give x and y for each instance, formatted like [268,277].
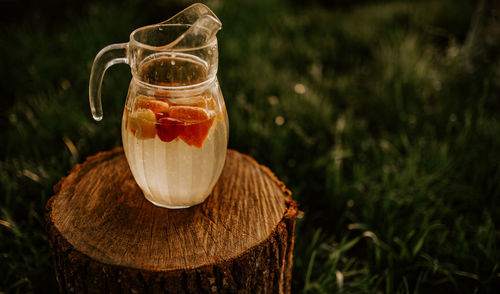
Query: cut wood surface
[107,237]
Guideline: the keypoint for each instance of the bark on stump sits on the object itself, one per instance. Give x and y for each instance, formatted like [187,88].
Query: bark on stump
[107,238]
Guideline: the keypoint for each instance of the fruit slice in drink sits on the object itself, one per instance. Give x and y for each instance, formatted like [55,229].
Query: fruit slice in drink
[197,124]
[155,105]
[142,123]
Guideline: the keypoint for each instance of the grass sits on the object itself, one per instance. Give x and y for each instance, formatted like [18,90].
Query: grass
[366,111]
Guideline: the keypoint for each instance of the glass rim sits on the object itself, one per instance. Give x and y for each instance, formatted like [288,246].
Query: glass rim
[137,43]
[193,87]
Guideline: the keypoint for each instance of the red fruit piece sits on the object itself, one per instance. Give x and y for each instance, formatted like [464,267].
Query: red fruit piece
[197,126]
[169,128]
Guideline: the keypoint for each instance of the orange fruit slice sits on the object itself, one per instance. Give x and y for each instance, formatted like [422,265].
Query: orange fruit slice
[155,105]
[197,124]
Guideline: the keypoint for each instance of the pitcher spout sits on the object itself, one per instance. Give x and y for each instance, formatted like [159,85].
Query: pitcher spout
[191,14]
[204,25]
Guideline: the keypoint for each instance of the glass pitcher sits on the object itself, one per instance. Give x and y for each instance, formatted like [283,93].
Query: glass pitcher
[175,126]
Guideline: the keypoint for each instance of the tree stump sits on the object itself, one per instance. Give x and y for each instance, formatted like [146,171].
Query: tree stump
[107,238]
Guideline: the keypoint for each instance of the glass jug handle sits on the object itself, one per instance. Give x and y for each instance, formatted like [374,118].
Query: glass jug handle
[108,56]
